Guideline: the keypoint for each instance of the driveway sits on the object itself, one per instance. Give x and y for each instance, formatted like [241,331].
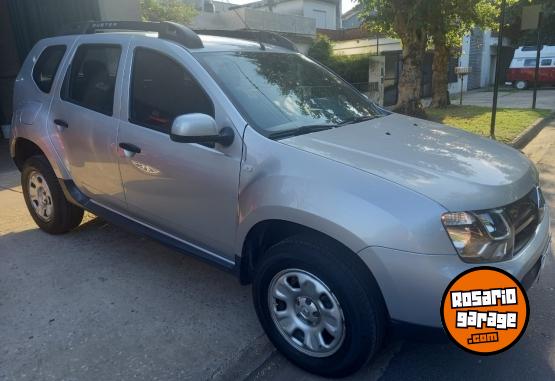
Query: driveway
[103,304]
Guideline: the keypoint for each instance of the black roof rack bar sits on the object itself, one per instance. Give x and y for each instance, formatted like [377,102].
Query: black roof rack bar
[166,30]
[260,36]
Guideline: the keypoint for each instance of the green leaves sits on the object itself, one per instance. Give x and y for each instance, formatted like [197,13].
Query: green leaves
[167,10]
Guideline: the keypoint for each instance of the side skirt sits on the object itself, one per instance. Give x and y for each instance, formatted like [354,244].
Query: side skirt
[75,196]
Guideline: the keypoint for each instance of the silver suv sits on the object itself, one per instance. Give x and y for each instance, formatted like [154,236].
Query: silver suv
[248,155]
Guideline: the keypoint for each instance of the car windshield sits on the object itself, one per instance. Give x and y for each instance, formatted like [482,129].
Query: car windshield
[281,92]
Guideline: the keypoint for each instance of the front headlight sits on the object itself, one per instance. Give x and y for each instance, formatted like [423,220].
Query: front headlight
[480,236]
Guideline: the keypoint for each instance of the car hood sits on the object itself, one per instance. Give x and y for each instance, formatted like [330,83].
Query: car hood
[459,170]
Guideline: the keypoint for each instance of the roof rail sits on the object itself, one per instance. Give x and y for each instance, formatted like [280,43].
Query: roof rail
[260,36]
[166,30]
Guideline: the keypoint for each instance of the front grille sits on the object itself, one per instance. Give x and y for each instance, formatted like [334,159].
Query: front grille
[524,216]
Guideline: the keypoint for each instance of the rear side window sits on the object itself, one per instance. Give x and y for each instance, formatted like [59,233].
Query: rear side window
[46,67]
[91,79]
[161,90]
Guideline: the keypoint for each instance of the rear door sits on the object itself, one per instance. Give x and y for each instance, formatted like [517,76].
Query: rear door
[82,121]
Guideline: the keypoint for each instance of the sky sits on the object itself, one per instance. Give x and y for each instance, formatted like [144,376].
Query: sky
[347,4]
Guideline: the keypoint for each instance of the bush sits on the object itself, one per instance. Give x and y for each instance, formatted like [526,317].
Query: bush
[168,10]
[321,49]
[353,69]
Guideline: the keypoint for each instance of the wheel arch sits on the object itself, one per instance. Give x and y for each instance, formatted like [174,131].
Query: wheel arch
[266,233]
[23,149]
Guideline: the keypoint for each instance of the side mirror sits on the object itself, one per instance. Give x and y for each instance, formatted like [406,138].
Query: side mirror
[200,128]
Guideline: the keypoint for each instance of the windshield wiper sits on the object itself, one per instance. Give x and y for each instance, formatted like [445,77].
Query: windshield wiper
[358,119]
[301,131]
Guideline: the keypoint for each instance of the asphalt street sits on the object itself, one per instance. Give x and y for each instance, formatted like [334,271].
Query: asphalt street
[103,304]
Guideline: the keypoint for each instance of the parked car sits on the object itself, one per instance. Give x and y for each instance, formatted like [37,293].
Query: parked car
[521,72]
[344,217]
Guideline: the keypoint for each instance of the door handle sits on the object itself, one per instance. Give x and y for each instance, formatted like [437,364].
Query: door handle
[61,123]
[130,149]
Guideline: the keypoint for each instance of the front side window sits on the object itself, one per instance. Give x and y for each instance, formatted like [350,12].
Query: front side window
[91,79]
[161,90]
[46,67]
[531,62]
[280,92]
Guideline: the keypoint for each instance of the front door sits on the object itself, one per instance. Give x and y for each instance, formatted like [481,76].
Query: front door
[82,122]
[186,190]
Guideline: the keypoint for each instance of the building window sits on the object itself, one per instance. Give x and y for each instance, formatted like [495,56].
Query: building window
[320,16]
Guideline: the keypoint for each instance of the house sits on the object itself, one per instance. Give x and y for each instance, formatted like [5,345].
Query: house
[326,13]
[351,19]
[479,52]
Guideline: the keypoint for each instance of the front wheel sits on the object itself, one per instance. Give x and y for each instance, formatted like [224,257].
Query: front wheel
[318,307]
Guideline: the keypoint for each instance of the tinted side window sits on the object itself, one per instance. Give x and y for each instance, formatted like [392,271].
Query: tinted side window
[47,65]
[91,78]
[161,90]
[529,62]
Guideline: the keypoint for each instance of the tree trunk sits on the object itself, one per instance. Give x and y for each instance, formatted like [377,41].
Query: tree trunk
[440,72]
[410,80]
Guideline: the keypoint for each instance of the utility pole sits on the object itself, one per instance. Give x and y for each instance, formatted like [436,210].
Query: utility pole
[497,70]
[537,69]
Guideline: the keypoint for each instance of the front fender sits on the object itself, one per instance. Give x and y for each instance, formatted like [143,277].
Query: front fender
[355,208]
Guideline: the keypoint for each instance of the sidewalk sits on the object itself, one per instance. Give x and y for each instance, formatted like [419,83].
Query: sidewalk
[507,99]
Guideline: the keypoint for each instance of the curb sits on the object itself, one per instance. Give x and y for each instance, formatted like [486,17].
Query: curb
[530,133]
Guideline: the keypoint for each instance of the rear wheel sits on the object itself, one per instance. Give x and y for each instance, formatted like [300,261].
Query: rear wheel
[45,199]
[317,306]
[521,85]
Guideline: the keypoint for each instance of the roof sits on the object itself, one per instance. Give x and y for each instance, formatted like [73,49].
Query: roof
[530,51]
[265,3]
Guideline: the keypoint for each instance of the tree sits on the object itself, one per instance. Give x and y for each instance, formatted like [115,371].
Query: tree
[321,49]
[408,21]
[449,21]
[167,10]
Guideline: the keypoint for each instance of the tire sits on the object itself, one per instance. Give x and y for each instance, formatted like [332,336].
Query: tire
[45,199]
[521,85]
[346,283]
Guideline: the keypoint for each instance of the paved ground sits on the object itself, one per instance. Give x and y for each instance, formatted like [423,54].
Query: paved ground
[103,304]
[509,99]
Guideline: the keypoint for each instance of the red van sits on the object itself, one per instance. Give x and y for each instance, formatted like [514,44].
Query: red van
[521,72]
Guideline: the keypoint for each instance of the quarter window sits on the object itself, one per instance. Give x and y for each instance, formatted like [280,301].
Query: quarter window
[46,67]
[91,79]
[161,90]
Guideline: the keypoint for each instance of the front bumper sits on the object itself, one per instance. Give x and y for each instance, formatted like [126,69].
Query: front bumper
[413,284]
